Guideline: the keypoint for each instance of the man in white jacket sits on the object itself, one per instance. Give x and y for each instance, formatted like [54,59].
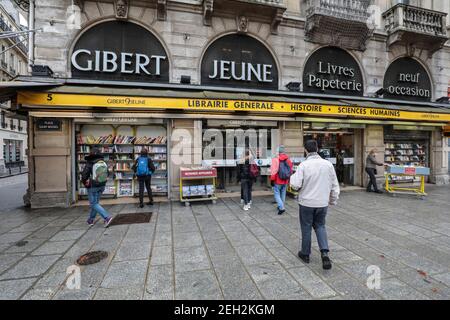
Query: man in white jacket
[318,187]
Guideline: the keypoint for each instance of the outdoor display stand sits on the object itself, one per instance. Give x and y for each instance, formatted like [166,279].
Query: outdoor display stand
[197,184]
[405,171]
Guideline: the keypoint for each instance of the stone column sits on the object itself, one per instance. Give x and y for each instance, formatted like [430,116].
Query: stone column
[291,136]
[50,167]
[374,138]
[439,159]
[185,149]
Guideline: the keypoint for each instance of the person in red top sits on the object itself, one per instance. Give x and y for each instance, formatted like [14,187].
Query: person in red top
[280,184]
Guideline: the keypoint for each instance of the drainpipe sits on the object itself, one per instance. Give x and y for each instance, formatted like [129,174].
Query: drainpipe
[31,15]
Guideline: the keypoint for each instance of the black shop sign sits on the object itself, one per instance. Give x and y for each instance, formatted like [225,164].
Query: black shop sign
[407,79]
[48,124]
[120,51]
[239,61]
[332,70]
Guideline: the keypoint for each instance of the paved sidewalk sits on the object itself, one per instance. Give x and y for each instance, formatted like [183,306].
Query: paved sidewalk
[221,252]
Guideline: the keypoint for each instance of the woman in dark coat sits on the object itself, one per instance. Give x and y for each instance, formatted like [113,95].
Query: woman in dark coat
[246,178]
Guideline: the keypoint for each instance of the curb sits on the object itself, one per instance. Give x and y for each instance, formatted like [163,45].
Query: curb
[13,175]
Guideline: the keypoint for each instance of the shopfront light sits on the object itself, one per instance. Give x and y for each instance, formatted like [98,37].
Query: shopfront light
[293,86]
[443,99]
[185,79]
[379,93]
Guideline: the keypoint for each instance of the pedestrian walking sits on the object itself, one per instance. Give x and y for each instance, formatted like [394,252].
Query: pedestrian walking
[280,172]
[371,169]
[340,167]
[144,168]
[247,174]
[318,188]
[94,177]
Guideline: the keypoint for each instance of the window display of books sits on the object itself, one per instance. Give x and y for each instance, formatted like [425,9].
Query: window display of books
[120,146]
[125,188]
[151,149]
[149,140]
[124,139]
[405,154]
[89,139]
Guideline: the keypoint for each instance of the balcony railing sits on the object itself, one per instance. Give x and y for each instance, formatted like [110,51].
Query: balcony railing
[3,64]
[266,2]
[4,27]
[415,19]
[413,25]
[339,22]
[355,10]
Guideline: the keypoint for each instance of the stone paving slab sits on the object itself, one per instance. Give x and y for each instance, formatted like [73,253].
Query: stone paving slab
[219,251]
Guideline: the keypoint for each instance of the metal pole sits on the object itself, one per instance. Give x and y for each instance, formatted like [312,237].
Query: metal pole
[31,36]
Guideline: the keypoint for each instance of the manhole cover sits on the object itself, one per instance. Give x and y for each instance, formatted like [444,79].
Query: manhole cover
[21,243]
[131,218]
[91,257]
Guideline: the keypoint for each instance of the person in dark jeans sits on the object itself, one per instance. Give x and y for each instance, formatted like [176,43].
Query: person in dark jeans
[371,169]
[318,187]
[144,168]
[94,187]
[246,179]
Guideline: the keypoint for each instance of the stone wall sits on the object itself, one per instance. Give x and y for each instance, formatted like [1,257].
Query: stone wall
[186,38]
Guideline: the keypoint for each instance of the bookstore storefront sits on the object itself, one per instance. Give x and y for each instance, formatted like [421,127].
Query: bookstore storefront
[177,123]
[174,128]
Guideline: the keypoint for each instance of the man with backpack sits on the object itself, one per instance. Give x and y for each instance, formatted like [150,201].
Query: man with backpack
[144,168]
[280,172]
[94,177]
[319,188]
[247,174]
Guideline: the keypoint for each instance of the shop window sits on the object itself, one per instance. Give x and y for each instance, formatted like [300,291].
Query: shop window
[406,147]
[3,120]
[12,150]
[120,146]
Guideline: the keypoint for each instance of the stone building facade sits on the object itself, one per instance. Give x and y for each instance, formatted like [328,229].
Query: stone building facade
[289,29]
[13,62]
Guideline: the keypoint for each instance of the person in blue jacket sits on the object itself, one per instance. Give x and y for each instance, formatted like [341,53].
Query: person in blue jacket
[144,168]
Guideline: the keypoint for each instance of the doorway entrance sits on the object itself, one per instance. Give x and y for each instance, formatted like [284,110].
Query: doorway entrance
[224,146]
[336,145]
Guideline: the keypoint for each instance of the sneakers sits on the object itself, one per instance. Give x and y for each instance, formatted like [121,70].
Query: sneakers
[303,257]
[326,262]
[108,221]
[280,212]
[141,205]
[90,222]
[150,203]
[246,207]
[378,191]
